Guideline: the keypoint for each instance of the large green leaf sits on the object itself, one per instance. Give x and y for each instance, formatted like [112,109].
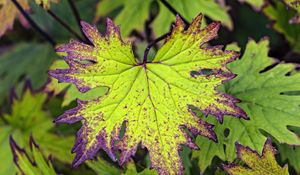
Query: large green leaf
[26,118]
[152,99]
[37,165]
[281,16]
[270,111]
[264,164]
[24,61]
[129,20]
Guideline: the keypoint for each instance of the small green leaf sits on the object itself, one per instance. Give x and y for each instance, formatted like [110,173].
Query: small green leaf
[26,118]
[26,165]
[153,99]
[264,164]
[263,97]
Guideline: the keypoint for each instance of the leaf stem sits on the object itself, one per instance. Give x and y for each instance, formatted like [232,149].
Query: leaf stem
[33,24]
[153,43]
[65,25]
[146,52]
[77,16]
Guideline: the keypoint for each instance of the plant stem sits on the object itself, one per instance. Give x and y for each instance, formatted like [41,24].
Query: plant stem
[153,43]
[77,16]
[146,52]
[65,25]
[33,24]
[174,11]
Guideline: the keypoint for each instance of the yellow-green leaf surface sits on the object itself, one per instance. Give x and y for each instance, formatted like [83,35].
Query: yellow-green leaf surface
[45,3]
[264,164]
[71,93]
[129,20]
[8,13]
[33,163]
[152,99]
[261,92]
[27,118]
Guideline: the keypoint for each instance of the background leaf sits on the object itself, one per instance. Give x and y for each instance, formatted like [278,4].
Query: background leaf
[64,11]
[281,16]
[257,164]
[128,20]
[270,111]
[294,4]
[26,118]
[189,9]
[101,167]
[8,13]
[24,61]
[36,165]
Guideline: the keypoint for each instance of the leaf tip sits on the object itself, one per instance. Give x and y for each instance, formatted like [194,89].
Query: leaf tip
[112,29]
[15,149]
[240,149]
[32,142]
[197,21]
